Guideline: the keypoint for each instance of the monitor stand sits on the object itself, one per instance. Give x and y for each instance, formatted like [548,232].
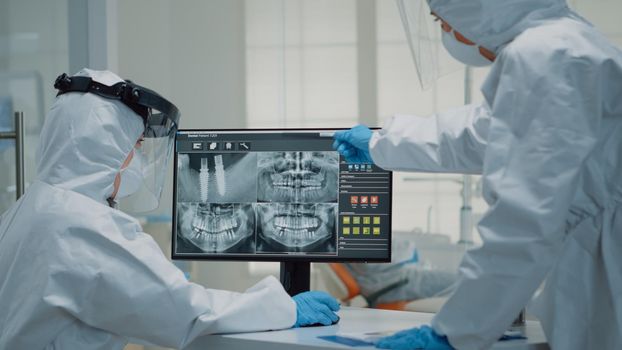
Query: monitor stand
[296,277]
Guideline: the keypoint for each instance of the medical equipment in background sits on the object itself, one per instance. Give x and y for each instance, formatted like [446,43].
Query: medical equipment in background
[18,136]
[342,285]
[466,219]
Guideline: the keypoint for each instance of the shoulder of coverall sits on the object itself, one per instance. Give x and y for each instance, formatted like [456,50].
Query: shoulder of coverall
[556,51]
[564,38]
[551,64]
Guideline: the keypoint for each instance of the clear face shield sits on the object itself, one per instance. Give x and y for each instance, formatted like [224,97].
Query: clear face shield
[153,151]
[424,37]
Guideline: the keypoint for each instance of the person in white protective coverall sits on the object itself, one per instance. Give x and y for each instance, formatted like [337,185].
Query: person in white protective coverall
[548,142]
[77,273]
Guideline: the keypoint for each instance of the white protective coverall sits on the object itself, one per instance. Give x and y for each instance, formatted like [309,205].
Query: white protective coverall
[77,274]
[548,141]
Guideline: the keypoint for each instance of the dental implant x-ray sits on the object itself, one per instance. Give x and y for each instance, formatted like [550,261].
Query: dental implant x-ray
[296,227]
[217,178]
[215,228]
[297,177]
[262,202]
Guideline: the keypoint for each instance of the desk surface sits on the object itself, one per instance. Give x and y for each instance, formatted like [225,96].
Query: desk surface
[352,320]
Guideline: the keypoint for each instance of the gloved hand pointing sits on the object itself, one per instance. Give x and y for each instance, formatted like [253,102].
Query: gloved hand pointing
[315,307]
[354,144]
[424,338]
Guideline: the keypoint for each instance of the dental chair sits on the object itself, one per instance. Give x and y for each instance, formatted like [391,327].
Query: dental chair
[342,285]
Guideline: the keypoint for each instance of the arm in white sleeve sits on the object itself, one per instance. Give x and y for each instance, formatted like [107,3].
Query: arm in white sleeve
[127,287]
[543,128]
[452,142]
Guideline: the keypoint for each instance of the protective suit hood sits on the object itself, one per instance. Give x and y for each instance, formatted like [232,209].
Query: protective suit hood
[85,140]
[493,23]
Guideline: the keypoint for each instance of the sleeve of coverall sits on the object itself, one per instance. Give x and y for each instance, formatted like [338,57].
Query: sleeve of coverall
[453,141]
[126,286]
[544,125]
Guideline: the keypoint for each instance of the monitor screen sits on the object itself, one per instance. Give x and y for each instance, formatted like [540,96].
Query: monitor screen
[276,195]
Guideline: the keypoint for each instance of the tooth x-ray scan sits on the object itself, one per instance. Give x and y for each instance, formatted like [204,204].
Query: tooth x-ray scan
[215,228]
[296,227]
[276,195]
[217,178]
[297,177]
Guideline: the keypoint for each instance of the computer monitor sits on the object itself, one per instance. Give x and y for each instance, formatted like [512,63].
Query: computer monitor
[277,195]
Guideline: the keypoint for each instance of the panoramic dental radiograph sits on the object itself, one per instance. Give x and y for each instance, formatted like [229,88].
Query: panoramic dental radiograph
[297,177]
[296,227]
[217,209]
[215,228]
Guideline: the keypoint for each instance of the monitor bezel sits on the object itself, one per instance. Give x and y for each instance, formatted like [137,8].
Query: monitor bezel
[260,258]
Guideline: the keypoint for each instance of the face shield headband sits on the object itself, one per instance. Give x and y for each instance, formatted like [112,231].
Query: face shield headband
[155,110]
[161,119]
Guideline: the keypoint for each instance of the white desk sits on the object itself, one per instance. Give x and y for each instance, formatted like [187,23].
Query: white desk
[352,320]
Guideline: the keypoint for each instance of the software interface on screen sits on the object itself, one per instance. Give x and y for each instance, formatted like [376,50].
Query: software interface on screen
[266,195]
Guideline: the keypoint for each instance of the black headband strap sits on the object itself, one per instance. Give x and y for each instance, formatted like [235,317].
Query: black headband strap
[126,92]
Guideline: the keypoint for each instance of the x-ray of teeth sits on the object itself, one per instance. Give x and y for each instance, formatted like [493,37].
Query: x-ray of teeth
[217,178]
[220,175]
[297,177]
[215,228]
[296,228]
[204,179]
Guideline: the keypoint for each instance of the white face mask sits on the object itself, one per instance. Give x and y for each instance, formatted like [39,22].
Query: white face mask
[131,177]
[467,54]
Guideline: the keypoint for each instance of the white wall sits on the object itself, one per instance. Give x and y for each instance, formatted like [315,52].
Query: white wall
[190,51]
[604,14]
[301,63]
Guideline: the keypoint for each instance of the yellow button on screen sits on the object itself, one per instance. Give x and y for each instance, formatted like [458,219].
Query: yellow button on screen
[356,220]
[366,220]
[366,230]
[356,230]
[376,220]
[346,220]
[346,230]
[376,230]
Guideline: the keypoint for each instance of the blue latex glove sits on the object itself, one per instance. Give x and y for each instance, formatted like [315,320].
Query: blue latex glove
[315,307]
[354,144]
[423,338]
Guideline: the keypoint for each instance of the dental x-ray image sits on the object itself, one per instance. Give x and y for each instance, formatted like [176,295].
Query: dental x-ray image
[215,228]
[296,228]
[297,177]
[217,178]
